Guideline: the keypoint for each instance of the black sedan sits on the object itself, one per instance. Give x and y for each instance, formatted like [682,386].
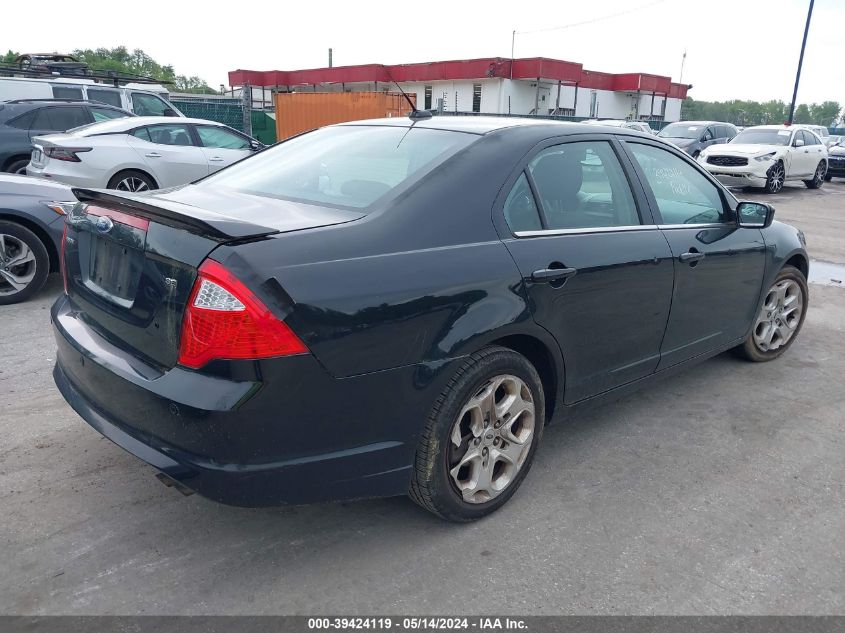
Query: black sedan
[395,306]
[31,224]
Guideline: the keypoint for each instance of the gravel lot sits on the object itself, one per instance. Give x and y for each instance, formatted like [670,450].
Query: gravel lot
[721,490]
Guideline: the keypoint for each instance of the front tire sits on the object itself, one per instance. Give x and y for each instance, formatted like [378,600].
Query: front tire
[780,318]
[775,178]
[818,178]
[480,437]
[24,263]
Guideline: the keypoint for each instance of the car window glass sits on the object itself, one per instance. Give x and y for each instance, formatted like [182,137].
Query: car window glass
[810,138]
[110,97]
[213,136]
[148,105]
[60,119]
[25,121]
[683,194]
[67,92]
[582,185]
[104,114]
[520,209]
[170,134]
[141,133]
[708,135]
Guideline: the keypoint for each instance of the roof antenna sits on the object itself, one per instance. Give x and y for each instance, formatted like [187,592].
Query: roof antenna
[415,114]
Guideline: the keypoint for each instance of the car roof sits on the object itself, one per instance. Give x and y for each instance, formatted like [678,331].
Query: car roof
[485,124]
[115,126]
[772,127]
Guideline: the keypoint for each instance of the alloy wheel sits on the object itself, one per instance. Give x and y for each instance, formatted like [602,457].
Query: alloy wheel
[776,178]
[780,316]
[132,183]
[491,438]
[818,178]
[17,265]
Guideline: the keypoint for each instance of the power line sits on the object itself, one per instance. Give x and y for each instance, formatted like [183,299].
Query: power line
[593,20]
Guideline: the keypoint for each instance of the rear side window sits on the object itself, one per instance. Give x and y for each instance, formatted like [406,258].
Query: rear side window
[24,121]
[520,209]
[169,134]
[582,185]
[345,166]
[67,92]
[683,194]
[104,114]
[110,97]
[60,119]
[142,133]
[213,136]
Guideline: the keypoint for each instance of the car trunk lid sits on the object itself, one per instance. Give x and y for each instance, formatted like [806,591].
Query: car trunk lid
[131,260]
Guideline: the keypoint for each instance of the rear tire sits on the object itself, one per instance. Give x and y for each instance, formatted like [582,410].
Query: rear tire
[818,177]
[480,437]
[775,178]
[18,166]
[777,325]
[828,177]
[20,281]
[133,181]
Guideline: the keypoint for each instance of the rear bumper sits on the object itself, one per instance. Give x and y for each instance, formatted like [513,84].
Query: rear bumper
[57,172]
[298,436]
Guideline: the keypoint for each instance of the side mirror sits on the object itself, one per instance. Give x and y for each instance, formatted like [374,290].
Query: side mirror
[798,143]
[755,215]
[256,145]
[169,112]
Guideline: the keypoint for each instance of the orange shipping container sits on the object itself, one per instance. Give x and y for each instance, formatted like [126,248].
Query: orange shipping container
[298,112]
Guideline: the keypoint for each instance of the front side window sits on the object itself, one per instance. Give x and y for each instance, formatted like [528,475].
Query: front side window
[104,114]
[708,135]
[520,209]
[144,104]
[213,136]
[345,166]
[582,185]
[683,194]
[169,134]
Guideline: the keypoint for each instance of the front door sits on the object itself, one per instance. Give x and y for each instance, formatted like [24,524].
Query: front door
[596,272]
[718,266]
[222,146]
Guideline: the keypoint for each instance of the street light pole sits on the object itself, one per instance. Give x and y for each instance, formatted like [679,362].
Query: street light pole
[800,62]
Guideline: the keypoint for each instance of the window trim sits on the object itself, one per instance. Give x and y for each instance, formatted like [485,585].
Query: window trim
[729,202]
[629,169]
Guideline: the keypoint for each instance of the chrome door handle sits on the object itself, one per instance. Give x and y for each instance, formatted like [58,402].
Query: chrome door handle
[552,274]
[691,256]
[153,155]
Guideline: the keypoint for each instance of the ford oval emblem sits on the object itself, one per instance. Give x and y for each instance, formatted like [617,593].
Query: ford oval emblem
[104,224]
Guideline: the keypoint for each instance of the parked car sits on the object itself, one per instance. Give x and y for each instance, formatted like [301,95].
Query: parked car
[641,126]
[375,308]
[695,136]
[833,140]
[21,120]
[820,131]
[836,161]
[138,154]
[31,224]
[51,63]
[142,99]
[768,156]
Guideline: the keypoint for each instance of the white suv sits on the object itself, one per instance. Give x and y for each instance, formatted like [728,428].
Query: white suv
[767,156]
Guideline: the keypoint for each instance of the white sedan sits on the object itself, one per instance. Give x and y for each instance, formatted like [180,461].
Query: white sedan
[768,156]
[138,153]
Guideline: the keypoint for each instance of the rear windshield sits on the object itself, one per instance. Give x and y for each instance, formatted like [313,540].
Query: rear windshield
[346,167]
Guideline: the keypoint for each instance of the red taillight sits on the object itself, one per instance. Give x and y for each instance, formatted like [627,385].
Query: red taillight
[62,264]
[68,154]
[224,319]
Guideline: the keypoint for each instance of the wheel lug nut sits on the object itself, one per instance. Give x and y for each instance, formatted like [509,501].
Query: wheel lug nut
[484,452]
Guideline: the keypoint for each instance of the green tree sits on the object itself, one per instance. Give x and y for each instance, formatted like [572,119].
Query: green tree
[9,57]
[826,113]
[802,114]
[192,84]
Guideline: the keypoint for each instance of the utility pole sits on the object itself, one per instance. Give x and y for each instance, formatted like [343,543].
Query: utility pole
[330,58]
[513,41]
[683,60]
[800,63]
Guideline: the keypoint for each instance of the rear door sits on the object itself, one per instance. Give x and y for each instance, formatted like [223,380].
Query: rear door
[170,154]
[596,270]
[718,266]
[222,146]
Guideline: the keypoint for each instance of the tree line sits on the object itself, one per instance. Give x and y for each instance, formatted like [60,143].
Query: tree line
[136,62]
[827,113]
